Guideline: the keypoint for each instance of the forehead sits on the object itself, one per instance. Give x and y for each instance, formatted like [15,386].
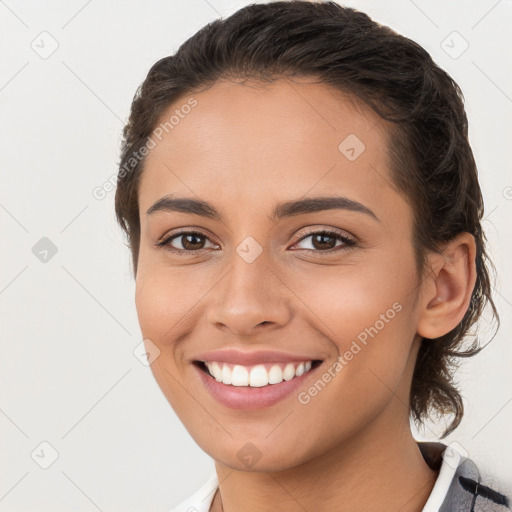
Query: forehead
[246,141]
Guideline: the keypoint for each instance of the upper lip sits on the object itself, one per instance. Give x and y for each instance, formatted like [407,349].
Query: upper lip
[247,358]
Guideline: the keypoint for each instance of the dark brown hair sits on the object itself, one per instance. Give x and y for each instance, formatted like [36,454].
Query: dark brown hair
[431,159]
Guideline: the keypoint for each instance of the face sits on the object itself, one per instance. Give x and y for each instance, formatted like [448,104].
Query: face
[259,271]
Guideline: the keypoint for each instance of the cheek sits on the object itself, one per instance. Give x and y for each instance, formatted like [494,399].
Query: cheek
[151,305]
[165,300]
[357,302]
[369,318]
[164,309]
[371,331]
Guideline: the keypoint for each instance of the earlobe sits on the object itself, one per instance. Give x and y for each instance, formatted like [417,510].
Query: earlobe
[447,290]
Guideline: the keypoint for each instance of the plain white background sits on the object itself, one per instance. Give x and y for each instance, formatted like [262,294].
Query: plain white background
[68,374]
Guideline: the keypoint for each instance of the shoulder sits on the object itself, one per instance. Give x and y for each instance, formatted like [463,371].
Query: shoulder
[461,486]
[474,492]
[201,500]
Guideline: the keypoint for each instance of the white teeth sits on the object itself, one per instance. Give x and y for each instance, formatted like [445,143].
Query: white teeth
[289,372]
[226,374]
[275,375]
[216,371]
[256,376]
[239,376]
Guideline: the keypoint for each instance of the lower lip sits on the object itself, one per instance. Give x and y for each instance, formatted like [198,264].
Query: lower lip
[247,397]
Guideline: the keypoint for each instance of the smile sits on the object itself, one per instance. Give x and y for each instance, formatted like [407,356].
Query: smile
[254,385]
[258,375]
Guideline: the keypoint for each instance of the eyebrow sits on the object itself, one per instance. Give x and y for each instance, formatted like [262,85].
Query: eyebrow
[169,203]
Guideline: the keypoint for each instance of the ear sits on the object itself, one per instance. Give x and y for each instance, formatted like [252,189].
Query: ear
[447,289]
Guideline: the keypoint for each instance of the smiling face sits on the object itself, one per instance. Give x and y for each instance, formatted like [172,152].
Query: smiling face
[259,277]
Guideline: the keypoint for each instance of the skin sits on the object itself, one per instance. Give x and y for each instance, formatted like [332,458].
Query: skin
[244,149]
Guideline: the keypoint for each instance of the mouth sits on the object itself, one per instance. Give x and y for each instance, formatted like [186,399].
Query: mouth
[256,386]
[256,376]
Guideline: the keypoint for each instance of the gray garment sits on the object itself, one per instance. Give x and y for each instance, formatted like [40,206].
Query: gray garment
[467,492]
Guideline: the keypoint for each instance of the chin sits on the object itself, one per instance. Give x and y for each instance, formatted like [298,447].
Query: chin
[254,457]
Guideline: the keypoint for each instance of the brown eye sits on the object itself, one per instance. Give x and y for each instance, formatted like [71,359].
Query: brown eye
[190,241]
[323,241]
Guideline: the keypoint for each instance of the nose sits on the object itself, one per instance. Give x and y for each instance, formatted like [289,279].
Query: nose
[251,297]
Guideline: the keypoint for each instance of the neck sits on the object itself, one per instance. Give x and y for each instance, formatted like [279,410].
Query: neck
[378,470]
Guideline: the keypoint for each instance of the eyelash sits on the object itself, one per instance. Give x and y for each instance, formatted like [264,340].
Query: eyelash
[347,242]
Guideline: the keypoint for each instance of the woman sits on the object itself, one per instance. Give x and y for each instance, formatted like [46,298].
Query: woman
[303,210]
